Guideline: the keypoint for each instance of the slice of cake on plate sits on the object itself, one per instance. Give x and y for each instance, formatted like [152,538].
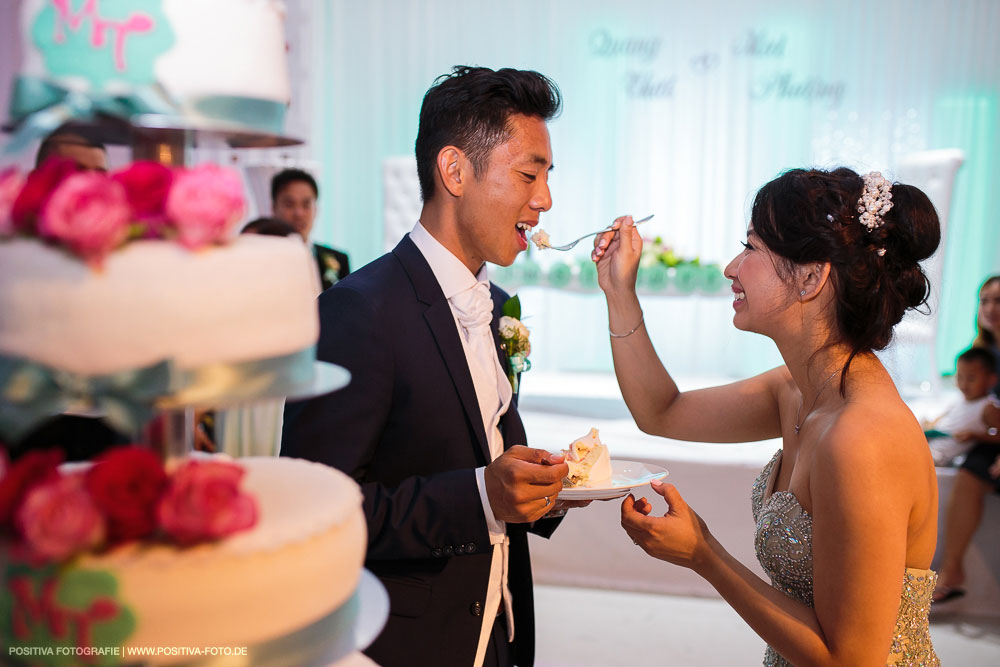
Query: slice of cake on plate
[588,460]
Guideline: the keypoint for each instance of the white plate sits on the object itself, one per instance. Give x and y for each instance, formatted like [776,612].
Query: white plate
[364,617]
[625,476]
[349,629]
[374,610]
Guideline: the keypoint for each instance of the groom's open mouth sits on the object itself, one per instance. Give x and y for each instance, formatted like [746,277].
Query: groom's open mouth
[522,232]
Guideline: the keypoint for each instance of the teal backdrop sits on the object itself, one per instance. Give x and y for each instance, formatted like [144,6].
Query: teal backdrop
[683,110]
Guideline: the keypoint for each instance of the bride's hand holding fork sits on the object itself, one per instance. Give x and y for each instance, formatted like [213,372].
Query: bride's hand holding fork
[617,257]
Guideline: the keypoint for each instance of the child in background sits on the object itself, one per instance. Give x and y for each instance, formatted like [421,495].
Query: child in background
[955,431]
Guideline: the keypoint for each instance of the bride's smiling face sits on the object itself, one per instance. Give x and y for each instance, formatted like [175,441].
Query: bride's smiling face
[760,294]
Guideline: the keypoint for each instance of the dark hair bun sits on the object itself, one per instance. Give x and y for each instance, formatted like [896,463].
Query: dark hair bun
[812,216]
[911,233]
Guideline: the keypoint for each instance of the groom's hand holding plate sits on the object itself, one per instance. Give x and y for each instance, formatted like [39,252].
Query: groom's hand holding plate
[522,483]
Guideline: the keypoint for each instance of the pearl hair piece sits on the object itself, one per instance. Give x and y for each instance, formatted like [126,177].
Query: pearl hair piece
[875,201]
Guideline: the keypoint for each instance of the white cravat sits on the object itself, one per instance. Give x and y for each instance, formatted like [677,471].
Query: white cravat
[474,310]
[469,299]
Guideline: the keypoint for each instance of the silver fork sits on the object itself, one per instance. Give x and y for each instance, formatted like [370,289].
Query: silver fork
[572,244]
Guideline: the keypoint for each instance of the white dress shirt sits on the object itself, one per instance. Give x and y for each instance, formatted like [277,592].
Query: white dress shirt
[494,394]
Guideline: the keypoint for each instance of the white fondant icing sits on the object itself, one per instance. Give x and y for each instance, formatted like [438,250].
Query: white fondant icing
[300,562]
[221,47]
[251,299]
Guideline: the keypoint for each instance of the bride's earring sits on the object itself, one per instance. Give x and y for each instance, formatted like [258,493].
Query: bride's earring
[802,293]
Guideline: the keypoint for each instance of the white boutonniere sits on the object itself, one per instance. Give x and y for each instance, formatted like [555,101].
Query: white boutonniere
[332,270]
[514,340]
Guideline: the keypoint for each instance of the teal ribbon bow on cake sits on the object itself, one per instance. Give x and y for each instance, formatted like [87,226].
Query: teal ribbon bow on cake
[39,107]
[31,393]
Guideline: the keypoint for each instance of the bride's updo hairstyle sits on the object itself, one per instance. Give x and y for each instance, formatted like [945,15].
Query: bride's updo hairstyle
[806,216]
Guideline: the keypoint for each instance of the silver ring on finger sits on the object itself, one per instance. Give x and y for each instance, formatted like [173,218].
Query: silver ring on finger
[548,501]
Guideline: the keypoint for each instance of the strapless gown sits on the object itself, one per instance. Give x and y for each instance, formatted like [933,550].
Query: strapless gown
[783,542]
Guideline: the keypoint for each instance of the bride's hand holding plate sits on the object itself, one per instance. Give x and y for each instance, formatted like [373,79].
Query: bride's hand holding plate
[679,536]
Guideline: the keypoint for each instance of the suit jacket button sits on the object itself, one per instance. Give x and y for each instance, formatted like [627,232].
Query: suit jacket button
[449,551]
[470,548]
[476,609]
[436,553]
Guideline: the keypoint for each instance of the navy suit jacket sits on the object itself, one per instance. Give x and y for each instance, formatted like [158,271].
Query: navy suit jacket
[408,429]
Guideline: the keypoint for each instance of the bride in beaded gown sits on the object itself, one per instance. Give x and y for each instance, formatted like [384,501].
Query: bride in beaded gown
[846,510]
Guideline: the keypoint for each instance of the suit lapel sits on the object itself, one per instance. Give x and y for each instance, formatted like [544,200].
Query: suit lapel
[495,327]
[441,323]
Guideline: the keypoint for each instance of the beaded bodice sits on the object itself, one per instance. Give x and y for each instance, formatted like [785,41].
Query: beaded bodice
[783,542]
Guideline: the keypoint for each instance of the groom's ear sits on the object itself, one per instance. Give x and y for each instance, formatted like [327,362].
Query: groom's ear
[452,168]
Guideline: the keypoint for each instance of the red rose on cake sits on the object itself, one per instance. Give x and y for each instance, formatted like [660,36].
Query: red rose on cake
[38,187]
[126,484]
[21,476]
[204,502]
[147,185]
[11,182]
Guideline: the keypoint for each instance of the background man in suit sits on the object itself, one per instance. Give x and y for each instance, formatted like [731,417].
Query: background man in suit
[429,426]
[67,143]
[293,200]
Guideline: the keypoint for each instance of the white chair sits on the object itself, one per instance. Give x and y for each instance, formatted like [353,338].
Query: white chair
[401,201]
[934,173]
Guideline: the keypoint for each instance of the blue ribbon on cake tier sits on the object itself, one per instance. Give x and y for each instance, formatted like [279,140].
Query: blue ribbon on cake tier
[31,392]
[39,106]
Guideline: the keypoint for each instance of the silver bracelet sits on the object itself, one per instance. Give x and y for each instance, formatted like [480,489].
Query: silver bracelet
[642,318]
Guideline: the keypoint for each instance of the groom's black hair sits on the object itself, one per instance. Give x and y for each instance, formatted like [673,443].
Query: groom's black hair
[470,108]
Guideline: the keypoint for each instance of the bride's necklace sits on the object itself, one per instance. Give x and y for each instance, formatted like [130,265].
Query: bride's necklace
[798,422]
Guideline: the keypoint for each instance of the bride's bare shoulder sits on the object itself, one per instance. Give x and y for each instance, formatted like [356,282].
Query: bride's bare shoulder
[877,437]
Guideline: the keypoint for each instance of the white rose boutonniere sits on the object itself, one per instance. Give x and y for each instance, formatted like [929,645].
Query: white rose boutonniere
[514,340]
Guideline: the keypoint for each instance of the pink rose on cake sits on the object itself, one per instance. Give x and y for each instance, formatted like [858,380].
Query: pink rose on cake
[147,185]
[89,213]
[58,518]
[11,182]
[38,187]
[204,203]
[204,502]
[126,484]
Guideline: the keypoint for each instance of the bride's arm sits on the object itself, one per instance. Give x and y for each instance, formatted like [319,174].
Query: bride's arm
[738,412]
[859,545]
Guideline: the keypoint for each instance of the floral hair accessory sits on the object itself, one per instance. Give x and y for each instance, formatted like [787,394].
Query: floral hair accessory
[514,340]
[876,200]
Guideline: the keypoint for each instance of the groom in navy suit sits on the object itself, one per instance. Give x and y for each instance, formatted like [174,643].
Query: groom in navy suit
[428,425]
